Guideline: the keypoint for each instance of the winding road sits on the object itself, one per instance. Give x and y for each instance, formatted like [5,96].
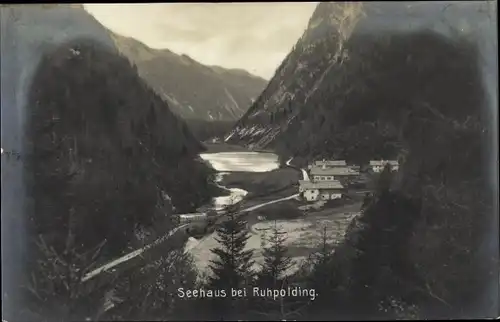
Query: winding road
[129,256]
[305,176]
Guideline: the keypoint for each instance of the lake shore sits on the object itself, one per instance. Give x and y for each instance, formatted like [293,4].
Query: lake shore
[226,147]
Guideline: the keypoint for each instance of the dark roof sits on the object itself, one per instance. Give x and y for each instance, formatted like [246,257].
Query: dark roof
[334,184]
[319,171]
[330,163]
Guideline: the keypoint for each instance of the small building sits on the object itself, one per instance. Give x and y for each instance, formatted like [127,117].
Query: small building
[326,190]
[193,217]
[379,165]
[334,173]
[328,163]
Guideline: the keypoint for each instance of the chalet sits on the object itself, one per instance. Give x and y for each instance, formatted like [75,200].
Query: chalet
[379,165]
[327,174]
[331,163]
[328,163]
[326,190]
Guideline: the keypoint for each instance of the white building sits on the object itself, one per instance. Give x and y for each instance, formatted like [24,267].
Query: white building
[194,217]
[328,174]
[326,190]
[328,163]
[379,165]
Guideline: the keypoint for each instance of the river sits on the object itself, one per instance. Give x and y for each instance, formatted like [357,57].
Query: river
[226,162]
[223,163]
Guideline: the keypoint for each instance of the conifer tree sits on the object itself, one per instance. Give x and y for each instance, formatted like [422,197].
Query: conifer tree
[232,268]
[273,275]
[276,259]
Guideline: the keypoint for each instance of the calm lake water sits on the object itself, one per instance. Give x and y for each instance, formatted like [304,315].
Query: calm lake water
[225,162]
[242,161]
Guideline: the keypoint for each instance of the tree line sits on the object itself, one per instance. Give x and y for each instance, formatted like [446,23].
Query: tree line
[365,275]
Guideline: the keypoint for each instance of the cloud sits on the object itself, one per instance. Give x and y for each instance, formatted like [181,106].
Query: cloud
[251,36]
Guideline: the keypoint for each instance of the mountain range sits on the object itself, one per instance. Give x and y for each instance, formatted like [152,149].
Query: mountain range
[323,76]
[193,91]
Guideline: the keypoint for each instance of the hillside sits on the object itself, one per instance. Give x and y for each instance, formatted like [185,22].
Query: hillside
[102,155]
[409,81]
[118,147]
[340,57]
[193,91]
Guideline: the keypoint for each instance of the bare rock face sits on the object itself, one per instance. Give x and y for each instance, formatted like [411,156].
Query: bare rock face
[318,77]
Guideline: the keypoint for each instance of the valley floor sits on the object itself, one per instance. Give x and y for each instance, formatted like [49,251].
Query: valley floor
[304,234]
[304,224]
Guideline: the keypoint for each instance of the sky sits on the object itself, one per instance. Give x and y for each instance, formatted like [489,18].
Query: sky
[251,36]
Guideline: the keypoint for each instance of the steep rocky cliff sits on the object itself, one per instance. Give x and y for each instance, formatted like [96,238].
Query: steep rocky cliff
[193,91]
[413,81]
[328,81]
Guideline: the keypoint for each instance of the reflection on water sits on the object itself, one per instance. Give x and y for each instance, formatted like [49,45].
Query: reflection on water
[242,161]
[235,196]
[225,162]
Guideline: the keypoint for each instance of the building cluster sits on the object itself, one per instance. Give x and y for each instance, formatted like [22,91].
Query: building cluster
[326,177]
[379,165]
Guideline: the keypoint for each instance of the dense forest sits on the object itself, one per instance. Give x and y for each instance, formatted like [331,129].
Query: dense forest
[108,159]
[416,96]
[193,90]
[206,130]
[370,274]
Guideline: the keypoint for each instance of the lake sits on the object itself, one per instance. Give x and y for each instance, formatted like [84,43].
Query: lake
[225,162]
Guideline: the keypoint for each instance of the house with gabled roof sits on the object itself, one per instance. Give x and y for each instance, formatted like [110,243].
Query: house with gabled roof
[328,163]
[331,173]
[323,190]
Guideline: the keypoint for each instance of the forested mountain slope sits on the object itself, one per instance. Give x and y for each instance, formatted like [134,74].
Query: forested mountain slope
[416,82]
[341,77]
[193,90]
[101,154]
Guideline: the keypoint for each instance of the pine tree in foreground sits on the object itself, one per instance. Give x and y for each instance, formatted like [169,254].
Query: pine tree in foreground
[276,260]
[232,268]
[273,276]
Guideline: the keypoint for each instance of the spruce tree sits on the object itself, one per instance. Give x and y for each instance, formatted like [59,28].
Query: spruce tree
[276,260]
[232,269]
[273,275]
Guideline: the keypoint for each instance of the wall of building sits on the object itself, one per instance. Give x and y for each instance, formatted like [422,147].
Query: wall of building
[323,178]
[315,194]
[311,194]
